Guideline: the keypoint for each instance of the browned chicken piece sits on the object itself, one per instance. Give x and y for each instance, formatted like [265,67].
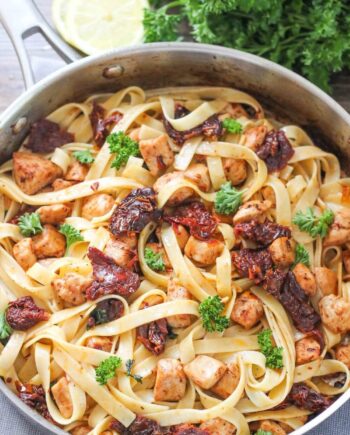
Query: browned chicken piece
[135,134]
[81,430]
[235,170]
[254,137]
[282,252]
[60,184]
[247,310]
[235,110]
[77,172]
[228,383]
[100,343]
[170,383]
[326,280]
[158,249]
[339,231]
[71,288]
[305,278]
[62,397]
[307,349]
[53,214]
[269,194]
[199,175]
[203,252]
[176,291]
[97,205]
[150,301]
[157,154]
[129,239]
[335,313]
[32,172]
[205,371]
[168,180]
[182,235]
[49,243]
[271,426]
[120,252]
[342,353]
[254,209]
[218,426]
[23,251]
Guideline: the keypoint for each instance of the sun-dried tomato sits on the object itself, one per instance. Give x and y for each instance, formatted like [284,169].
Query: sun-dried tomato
[261,233]
[276,150]
[140,426]
[45,136]
[285,288]
[108,278]
[188,429]
[135,212]
[252,263]
[100,126]
[23,313]
[304,397]
[34,396]
[196,217]
[105,311]
[153,335]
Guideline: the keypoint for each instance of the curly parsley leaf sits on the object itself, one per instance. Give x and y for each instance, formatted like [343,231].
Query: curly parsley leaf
[5,328]
[129,363]
[263,432]
[301,256]
[29,224]
[106,369]
[154,260]
[161,26]
[71,234]
[273,354]
[312,224]
[227,199]
[231,125]
[123,146]
[210,311]
[84,156]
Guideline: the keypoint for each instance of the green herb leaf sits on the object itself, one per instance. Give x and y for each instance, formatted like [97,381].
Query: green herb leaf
[106,369]
[227,199]
[154,260]
[232,126]
[129,363]
[29,224]
[312,224]
[84,157]
[72,234]
[263,432]
[5,328]
[301,256]
[273,354]
[210,311]
[122,145]
[160,26]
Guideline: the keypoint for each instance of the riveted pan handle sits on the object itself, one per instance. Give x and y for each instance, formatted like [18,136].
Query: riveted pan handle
[21,19]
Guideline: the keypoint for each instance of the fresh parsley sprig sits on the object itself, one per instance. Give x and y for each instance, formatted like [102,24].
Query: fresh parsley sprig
[301,256]
[210,311]
[227,199]
[154,260]
[312,224]
[123,146]
[263,432]
[5,328]
[231,125]
[129,363]
[106,369]
[161,26]
[71,234]
[29,224]
[84,156]
[273,354]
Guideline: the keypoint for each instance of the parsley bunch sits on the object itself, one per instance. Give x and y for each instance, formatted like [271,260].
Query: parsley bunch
[231,125]
[301,256]
[210,311]
[29,224]
[272,353]
[312,224]
[5,328]
[84,156]
[311,38]
[154,260]
[72,234]
[123,146]
[227,199]
[106,369]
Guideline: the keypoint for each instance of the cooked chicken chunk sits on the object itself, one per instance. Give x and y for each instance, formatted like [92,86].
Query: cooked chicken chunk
[71,288]
[235,110]
[168,180]
[235,170]
[61,394]
[157,154]
[247,310]
[49,243]
[175,292]
[218,426]
[339,231]
[203,252]
[254,209]
[81,430]
[326,280]
[271,426]
[97,205]
[342,353]
[335,313]
[205,371]
[269,194]
[254,137]
[170,383]
[32,172]
[158,249]
[282,252]
[99,343]
[305,278]
[199,175]
[53,214]
[129,239]
[23,251]
[228,383]
[120,252]
[77,172]
[61,184]
[135,134]
[150,301]
[307,349]
[182,235]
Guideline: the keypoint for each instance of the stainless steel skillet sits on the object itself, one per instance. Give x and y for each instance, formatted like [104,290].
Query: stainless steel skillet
[167,64]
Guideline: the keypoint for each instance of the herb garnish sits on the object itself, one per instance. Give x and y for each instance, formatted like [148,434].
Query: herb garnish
[29,224]
[106,369]
[312,224]
[123,146]
[272,353]
[210,311]
[227,199]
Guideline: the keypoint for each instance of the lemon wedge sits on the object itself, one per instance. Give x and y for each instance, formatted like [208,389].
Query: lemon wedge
[94,26]
[59,13]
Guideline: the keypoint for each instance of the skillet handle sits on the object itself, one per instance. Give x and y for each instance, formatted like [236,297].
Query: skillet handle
[31,21]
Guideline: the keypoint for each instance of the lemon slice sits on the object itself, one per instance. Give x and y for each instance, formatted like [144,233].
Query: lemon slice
[93,26]
[59,13]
